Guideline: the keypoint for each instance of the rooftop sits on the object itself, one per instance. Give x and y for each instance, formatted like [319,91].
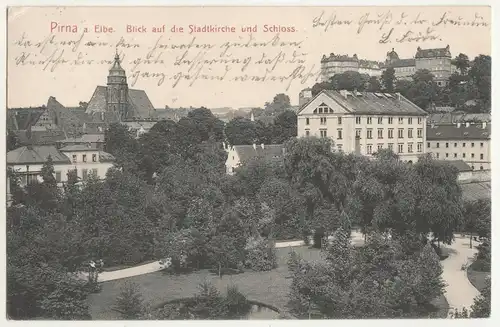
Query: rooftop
[433,53]
[402,63]
[36,154]
[334,57]
[370,103]
[268,152]
[459,164]
[77,147]
[464,132]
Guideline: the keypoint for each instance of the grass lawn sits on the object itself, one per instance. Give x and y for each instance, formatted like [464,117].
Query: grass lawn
[477,278]
[270,287]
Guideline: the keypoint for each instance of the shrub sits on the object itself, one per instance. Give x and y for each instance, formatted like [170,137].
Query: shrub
[237,304]
[129,302]
[261,255]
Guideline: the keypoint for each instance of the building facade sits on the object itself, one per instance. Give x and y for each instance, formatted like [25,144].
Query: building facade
[239,154]
[437,61]
[28,161]
[364,122]
[468,142]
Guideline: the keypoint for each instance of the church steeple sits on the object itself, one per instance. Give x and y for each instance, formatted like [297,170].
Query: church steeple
[117,90]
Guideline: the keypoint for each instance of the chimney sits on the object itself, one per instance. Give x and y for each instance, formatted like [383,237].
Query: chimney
[343,93]
[255,146]
[483,125]
[399,96]
[262,146]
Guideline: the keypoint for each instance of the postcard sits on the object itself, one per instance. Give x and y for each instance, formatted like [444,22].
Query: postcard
[177,163]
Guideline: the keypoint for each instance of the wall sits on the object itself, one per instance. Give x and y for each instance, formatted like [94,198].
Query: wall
[440,67]
[455,150]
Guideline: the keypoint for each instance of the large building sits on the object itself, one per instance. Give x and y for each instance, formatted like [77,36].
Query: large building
[338,64]
[403,68]
[437,61]
[363,122]
[27,161]
[461,141]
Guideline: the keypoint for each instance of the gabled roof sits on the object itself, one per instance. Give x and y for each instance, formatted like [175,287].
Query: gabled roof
[138,102]
[433,53]
[23,118]
[48,137]
[86,138]
[402,63]
[452,132]
[369,103]
[77,147]
[457,117]
[269,152]
[36,154]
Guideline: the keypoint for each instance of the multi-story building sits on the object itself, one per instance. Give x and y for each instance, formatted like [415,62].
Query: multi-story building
[403,68]
[28,161]
[337,64]
[369,67]
[364,122]
[437,61]
[461,141]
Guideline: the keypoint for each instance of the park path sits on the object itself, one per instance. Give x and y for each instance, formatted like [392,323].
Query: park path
[459,292]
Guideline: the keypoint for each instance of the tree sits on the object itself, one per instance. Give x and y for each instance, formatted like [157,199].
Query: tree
[424,90]
[462,63]
[240,131]
[482,303]
[388,78]
[207,125]
[129,302]
[280,103]
[480,74]
[285,127]
[12,141]
[477,218]
[349,80]
[374,84]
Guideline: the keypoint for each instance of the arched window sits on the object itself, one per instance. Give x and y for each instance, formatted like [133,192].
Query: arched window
[481,167]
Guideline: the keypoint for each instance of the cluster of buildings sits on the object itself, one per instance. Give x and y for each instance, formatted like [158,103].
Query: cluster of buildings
[437,61]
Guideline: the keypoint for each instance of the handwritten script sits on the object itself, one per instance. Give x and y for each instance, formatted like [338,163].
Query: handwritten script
[173,60]
[405,27]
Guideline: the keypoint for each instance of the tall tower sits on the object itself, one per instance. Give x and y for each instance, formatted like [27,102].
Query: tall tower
[117,90]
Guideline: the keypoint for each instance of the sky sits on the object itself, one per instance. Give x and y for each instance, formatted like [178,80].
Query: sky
[51,54]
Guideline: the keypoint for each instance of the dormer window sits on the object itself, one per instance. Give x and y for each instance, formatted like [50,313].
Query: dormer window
[323,109]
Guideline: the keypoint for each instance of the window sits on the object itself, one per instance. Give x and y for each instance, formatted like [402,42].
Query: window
[58,176]
[400,120]
[358,120]
[307,121]
[390,146]
[419,147]
[410,147]
[481,167]
[419,132]
[369,120]
[358,132]
[400,133]
[84,157]
[437,155]
[380,146]
[84,174]
[322,132]
[322,120]
[390,133]
[390,120]
[446,145]
[463,145]
[380,120]
[368,133]
[437,144]
[410,133]
[446,155]
[339,134]
[74,158]
[410,121]
[400,148]
[419,120]
[339,146]
[307,132]
[339,120]
[472,155]
[380,133]
[94,157]
[481,156]
[472,145]
[481,144]
[472,167]
[455,155]
[369,148]
[94,172]
[463,155]
[428,144]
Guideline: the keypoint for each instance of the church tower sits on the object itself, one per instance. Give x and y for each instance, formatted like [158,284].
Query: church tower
[117,91]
